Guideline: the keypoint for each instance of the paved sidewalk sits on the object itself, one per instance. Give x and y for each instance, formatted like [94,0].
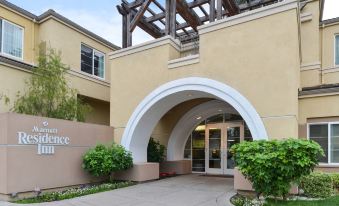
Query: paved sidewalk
[186,190]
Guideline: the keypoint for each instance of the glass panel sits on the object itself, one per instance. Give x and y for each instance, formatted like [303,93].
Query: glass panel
[12,39]
[233,137]
[247,134]
[198,150]
[188,148]
[86,59]
[232,117]
[337,50]
[219,118]
[334,143]
[214,139]
[99,61]
[319,133]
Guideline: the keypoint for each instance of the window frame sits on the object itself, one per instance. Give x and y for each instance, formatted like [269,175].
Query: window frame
[336,64]
[94,51]
[2,40]
[329,134]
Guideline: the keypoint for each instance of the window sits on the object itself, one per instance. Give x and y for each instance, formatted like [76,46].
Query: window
[11,39]
[92,61]
[336,45]
[327,136]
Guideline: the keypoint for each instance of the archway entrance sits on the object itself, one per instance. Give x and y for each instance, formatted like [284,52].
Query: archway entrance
[161,100]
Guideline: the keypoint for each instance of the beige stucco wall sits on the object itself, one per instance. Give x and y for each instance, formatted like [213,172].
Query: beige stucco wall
[24,170]
[239,56]
[66,39]
[100,111]
[69,41]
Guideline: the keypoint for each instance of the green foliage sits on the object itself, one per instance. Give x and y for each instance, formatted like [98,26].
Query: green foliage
[272,166]
[98,161]
[121,159]
[48,93]
[102,160]
[317,185]
[335,178]
[155,151]
[74,192]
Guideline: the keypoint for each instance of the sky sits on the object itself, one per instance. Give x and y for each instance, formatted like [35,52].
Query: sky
[103,18]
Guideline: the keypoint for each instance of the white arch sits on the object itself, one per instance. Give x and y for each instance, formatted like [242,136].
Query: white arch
[165,97]
[187,123]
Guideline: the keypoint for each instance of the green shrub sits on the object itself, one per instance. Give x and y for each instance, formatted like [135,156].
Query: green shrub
[121,159]
[317,185]
[155,151]
[272,166]
[335,178]
[101,161]
[98,161]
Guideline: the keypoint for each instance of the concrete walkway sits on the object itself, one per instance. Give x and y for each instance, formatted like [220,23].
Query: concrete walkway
[186,190]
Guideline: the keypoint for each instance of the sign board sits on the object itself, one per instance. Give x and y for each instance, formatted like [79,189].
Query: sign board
[44,137]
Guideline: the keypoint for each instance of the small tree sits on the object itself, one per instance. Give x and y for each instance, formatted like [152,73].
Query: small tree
[155,151]
[48,93]
[272,166]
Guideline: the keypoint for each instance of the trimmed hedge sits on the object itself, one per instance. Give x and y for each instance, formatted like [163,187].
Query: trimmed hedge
[317,185]
[335,178]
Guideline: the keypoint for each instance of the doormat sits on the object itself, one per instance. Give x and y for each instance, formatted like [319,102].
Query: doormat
[212,175]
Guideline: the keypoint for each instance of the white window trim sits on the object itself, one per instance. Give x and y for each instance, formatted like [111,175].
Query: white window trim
[335,52]
[97,51]
[2,41]
[328,141]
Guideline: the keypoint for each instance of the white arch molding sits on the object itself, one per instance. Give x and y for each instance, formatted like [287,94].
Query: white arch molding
[157,103]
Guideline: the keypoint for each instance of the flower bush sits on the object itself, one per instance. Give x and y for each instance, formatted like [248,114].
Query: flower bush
[272,166]
[74,192]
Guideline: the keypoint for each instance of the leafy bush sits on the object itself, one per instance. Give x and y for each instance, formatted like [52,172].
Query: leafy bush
[317,185]
[273,165]
[102,160]
[98,161]
[155,151]
[121,159]
[74,192]
[335,178]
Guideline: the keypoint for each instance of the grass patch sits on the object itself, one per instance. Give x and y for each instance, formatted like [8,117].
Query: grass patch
[74,192]
[331,201]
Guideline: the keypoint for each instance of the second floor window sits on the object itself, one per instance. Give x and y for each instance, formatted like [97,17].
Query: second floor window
[92,61]
[11,39]
[336,45]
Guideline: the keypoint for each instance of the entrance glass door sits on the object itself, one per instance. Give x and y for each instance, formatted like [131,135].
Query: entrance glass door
[219,138]
[214,150]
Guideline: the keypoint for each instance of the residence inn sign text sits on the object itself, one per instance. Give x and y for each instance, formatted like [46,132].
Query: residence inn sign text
[44,137]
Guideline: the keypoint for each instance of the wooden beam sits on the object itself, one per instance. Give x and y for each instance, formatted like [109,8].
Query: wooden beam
[212,10]
[219,9]
[172,19]
[188,14]
[232,7]
[139,14]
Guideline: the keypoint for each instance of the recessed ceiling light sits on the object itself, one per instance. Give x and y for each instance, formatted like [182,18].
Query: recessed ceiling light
[189,95]
[198,117]
[220,110]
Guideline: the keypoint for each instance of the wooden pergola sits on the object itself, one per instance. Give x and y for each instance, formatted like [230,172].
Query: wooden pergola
[178,18]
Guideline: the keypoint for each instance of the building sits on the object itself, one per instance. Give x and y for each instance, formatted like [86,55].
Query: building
[223,74]
[210,79]
[22,32]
